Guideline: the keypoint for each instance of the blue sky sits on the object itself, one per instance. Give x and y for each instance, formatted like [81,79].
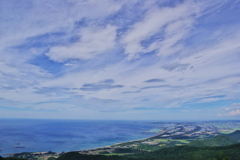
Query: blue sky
[120,59]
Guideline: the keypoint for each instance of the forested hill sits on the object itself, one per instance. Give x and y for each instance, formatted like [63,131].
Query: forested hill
[235,135]
[195,153]
[219,140]
[172,153]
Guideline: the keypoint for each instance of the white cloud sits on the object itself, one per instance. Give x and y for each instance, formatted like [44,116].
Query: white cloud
[211,99]
[200,80]
[174,22]
[21,20]
[6,69]
[198,110]
[231,110]
[93,41]
[209,70]
[174,33]
[234,113]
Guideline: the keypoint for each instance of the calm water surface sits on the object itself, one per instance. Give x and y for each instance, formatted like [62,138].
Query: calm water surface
[67,135]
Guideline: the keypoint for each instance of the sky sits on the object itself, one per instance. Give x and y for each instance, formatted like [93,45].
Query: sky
[120,59]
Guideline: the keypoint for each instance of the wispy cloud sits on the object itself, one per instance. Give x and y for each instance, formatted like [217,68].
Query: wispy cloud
[154,80]
[230,111]
[107,84]
[171,24]
[119,58]
[175,66]
[93,41]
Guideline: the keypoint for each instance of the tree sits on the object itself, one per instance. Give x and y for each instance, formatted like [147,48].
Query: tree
[220,156]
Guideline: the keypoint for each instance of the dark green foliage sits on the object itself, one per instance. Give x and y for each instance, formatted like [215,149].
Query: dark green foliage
[172,153]
[216,141]
[104,152]
[149,147]
[235,135]
[12,158]
[77,156]
[221,156]
[51,158]
[194,153]
[126,150]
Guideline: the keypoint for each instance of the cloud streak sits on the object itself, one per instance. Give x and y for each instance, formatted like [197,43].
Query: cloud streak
[93,41]
[120,58]
[172,27]
[106,84]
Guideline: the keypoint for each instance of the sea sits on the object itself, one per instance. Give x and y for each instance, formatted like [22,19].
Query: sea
[38,135]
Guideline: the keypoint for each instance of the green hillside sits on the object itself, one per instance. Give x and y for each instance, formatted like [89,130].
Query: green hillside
[77,156]
[172,153]
[194,153]
[235,135]
[221,147]
[219,140]
[11,158]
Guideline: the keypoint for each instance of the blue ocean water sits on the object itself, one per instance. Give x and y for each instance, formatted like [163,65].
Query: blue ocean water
[67,135]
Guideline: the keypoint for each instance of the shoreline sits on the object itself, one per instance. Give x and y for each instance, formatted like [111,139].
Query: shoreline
[82,150]
[179,134]
[88,150]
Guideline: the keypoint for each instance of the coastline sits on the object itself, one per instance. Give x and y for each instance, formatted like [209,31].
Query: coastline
[169,135]
[65,136]
[113,146]
[42,153]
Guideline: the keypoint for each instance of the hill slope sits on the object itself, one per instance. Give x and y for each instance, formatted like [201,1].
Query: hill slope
[78,156]
[235,135]
[219,140]
[193,153]
[171,153]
